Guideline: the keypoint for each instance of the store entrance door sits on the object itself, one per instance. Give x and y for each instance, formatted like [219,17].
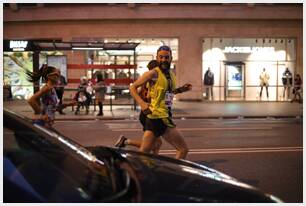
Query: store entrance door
[234,81]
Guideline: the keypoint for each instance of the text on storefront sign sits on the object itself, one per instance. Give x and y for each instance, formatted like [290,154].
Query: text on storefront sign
[18,45]
[247,49]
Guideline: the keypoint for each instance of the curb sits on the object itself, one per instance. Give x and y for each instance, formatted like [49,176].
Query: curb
[189,117]
[244,117]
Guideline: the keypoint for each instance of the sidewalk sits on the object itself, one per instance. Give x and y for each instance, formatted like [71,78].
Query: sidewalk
[182,109]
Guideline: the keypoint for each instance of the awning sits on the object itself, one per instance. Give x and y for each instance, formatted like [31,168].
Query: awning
[56,45]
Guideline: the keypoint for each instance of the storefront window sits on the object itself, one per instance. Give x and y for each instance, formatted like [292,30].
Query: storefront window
[238,62]
[14,65]
[145,52]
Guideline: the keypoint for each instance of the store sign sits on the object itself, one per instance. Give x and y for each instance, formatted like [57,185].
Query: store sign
[247,49]
[18,45]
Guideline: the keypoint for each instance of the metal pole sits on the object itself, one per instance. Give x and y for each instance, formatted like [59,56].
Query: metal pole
[244,81]
[277,98]
[36,68]
[134,75]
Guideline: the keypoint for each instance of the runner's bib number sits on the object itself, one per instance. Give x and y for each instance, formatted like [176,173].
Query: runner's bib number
[169,98]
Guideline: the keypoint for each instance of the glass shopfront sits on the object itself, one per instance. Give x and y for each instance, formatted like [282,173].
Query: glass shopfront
[238,63]
[145,52]
[15,64]
[16,61]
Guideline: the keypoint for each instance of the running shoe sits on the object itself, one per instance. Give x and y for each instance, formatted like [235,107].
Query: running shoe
[121,141]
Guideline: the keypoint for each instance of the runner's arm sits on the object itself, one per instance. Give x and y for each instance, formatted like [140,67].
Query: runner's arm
[35,103]
[186,87]
[139,82]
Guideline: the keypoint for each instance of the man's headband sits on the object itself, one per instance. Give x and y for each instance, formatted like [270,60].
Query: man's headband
[164,48]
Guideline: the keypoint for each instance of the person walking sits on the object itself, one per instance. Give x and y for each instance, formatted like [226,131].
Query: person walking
[158,122]
[61,83]
[45,101]
[100,90]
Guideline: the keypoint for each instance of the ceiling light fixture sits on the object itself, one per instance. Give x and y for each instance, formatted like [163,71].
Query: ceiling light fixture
[87,48]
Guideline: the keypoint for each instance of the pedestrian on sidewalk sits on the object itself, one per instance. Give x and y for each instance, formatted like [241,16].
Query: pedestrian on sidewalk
[45,101]
[297,89]
[61,83]
[100,90]
[209,84]
[158,122]
[83,97]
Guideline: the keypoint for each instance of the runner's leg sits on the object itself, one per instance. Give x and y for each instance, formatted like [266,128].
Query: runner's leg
[147,142]
[157,146]
[135,143]
[175,138]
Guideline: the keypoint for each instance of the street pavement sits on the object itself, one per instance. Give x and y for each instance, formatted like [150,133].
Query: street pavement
[181,110]
[221,146]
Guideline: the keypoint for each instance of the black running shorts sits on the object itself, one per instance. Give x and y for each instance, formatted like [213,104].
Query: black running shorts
[158,126]
[142,120]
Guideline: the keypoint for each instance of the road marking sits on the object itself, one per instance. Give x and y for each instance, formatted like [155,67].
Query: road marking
[199,129]
[238,150]
[246,148]
[75,121]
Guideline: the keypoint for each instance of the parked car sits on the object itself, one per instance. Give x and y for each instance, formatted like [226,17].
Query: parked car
[41,165]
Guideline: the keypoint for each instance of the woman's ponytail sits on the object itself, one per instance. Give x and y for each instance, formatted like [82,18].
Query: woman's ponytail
[33,76]
[43,72]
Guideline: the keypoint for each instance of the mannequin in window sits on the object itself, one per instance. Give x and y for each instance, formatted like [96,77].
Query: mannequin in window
[287,82]
[209,83]
[264,82]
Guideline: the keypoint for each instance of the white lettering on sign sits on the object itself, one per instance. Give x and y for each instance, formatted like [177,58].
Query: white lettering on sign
[18,45]
[247,49]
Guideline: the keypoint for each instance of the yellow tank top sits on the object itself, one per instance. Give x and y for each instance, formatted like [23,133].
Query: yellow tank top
[157,94]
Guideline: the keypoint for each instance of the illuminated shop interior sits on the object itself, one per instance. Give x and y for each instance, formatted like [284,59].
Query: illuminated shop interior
[20,58]
[238,62]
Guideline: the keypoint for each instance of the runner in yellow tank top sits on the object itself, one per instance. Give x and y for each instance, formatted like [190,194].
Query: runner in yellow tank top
[158,93]
[158,121]
[144,94]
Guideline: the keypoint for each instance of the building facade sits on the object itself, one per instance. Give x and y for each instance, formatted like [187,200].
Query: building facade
[232,39]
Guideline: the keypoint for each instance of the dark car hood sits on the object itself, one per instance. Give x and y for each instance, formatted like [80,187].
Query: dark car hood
[165,179]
